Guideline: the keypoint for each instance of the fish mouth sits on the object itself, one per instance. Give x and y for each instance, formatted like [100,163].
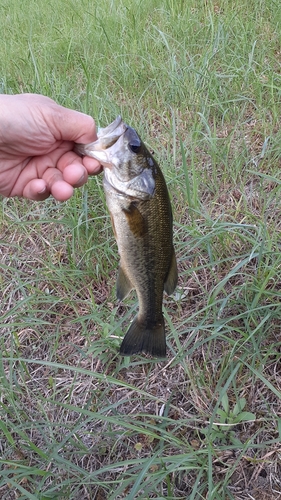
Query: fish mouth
[107,137]
[110,134]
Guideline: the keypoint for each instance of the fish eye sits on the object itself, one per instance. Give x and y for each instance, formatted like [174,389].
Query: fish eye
[135,147]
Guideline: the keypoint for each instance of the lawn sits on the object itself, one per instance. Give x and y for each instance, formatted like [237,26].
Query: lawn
[201,82]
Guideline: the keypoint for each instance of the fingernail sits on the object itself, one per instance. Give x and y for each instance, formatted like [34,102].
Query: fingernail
[42,190]
[81,179]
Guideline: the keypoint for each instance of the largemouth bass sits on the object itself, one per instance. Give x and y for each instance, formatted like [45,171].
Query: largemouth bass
[139,205]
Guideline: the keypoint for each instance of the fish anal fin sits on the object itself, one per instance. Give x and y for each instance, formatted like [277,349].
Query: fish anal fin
[145,337]
[123,285]
[172,276]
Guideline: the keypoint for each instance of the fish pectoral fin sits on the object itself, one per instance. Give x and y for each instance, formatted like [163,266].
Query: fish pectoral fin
[172,276]
[124,285]
[135,220]
[146,337]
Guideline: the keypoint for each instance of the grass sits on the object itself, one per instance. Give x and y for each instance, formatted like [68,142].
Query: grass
[201,83]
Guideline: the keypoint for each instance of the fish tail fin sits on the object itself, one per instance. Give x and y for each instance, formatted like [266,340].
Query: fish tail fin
[145,337]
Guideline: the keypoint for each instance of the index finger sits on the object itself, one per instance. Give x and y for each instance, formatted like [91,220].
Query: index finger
[92,165]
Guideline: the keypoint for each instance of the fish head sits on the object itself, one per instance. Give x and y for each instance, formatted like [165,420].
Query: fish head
[127,156]
[129,168]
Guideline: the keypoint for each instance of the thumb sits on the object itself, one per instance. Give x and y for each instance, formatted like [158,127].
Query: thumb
[71,125]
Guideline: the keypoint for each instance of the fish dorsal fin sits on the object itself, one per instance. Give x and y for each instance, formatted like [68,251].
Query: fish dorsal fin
[123,285]
[172,276]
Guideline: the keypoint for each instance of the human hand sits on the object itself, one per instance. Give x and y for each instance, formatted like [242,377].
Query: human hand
[36,148]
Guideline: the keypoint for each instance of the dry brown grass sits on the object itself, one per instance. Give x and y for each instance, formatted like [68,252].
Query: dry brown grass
[94,409]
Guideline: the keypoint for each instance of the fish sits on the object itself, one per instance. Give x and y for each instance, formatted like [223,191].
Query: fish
[141,215]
